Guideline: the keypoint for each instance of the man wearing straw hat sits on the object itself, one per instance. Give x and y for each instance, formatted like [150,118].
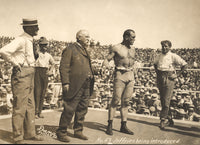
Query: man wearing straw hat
[165,65]
[20,54]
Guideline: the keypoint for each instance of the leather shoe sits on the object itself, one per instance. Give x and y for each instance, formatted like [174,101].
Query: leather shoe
[80,135]
[36,116]
[162,124]
[125,129]
[37,138]
[170,122]
[62,137]
[20,142]
[109,128]
[40,116]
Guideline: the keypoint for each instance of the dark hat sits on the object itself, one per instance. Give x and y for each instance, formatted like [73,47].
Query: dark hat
[43,40]
[29,22]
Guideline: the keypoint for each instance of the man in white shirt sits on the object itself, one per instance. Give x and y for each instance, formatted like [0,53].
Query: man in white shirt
[20,54]
[165,66]
[44,68]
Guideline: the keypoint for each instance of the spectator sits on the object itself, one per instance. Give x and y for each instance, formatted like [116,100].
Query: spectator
[44,69]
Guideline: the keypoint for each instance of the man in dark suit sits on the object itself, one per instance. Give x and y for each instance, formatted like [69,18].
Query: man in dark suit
[77,82]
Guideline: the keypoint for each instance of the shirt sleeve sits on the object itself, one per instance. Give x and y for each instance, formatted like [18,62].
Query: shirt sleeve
[10,49]
[51,60]
[178,60]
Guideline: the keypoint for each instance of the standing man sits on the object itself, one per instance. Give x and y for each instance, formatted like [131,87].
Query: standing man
[77,82]
[124,58]
[165,65]
[44,68]
[20,54]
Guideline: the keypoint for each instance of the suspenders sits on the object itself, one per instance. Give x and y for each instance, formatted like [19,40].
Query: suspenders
[25,54]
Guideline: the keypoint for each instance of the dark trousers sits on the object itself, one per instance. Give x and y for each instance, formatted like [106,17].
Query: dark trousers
[78,106]
[41,82]
[23,117]
[165,86]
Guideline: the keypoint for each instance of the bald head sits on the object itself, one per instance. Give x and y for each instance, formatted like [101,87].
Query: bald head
[81,33]
[83,38]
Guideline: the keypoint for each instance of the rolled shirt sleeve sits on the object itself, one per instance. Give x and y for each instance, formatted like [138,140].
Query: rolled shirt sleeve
[10,51]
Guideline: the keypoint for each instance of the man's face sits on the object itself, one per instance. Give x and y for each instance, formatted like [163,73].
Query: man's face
[165,48]
[32,30]
[131,39]
[84,39]
[43,47]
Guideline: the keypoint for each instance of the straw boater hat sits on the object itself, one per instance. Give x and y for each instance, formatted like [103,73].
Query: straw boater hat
[29,22]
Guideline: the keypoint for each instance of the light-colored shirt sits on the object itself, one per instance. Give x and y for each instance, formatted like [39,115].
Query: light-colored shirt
[44,60]
[19,51]
[168,62]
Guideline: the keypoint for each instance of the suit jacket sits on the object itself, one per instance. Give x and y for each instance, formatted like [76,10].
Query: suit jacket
[75,66]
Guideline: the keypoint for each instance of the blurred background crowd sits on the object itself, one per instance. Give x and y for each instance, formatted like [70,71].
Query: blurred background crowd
[185,103]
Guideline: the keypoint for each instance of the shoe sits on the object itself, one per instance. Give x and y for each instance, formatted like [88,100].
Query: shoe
[80,135]
[37,138]
[62,136]
[162,124]
[125,129]
[109,128]
[36,116]
[20,142]
[170,122]
[40,116]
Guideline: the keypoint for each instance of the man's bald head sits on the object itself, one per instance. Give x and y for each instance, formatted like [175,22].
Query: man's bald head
[81,33]
[83,37]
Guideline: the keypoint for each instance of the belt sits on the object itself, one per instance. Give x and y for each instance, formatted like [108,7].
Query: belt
[124,69]
[166,72]
[27,67]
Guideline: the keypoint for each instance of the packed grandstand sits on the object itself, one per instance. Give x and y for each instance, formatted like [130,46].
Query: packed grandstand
[185,102]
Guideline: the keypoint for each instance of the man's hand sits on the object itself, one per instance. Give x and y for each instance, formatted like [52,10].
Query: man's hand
[66,88]
[17,68]
[49,73]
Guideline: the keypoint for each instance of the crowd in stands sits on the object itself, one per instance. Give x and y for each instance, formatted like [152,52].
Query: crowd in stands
[185,103]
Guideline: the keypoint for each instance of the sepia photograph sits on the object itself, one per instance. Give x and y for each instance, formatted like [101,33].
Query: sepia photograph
[100,72]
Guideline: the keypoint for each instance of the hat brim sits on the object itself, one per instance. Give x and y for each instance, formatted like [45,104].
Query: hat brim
[29,24]
[43,43]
